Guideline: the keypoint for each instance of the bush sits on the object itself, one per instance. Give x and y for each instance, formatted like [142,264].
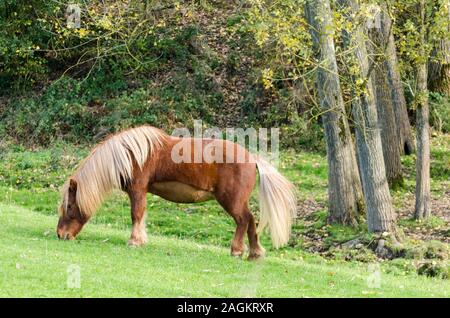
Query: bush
[434,269]
[22,61]
[35,40]
[61,111]
[79,110]
[304,133]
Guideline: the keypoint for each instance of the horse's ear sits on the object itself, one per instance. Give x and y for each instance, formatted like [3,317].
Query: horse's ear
[73,186]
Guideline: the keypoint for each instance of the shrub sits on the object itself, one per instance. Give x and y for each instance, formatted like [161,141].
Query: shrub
[22,61]
[434,269]
[126,36]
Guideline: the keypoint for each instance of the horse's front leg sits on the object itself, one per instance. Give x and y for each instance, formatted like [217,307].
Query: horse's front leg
[138,199]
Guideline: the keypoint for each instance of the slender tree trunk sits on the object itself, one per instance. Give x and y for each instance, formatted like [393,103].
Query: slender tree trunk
[380,212]
[439,64]
[404,131]
[344,185]
[439,68]
[383,93]
[423,128]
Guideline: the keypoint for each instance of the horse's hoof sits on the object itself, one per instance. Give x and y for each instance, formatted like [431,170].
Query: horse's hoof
[237,254]
[254,256]
[136,243]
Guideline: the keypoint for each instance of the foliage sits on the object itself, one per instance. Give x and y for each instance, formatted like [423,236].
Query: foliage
[440,112]
[21,42]
[135,37]
[408,27]
[119,47]
[281,33]
[77,111]
[434,269]
[134,62]
[280,30]
[129,63]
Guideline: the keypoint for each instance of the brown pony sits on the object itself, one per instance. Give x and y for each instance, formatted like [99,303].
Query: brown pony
[141,160]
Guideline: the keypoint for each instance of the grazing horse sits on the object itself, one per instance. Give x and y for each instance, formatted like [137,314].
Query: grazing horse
[141,160]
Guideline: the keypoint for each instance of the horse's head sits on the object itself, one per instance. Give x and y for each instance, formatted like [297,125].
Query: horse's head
[71,220]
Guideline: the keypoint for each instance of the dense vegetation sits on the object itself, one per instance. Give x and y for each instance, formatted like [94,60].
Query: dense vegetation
[196,60]
[162,63]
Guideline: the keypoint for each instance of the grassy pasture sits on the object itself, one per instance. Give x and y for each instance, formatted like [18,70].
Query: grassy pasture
[189,244]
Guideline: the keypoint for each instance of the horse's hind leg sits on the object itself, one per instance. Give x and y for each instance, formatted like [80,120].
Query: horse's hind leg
[245,223]
[235,208]
[138,201]
[237,244]
[256,250]
[233,192]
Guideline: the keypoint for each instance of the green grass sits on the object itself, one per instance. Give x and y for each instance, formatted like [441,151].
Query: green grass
[34,263]
[32,179]
[439,168]
[189,244]
[430,223]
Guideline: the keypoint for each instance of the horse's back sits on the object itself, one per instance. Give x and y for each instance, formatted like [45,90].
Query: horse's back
[219,166]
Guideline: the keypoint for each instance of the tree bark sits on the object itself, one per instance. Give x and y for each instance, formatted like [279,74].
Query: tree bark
[379,35]
[439,64]
[439,69]
[422,208]
[344,185]
[380,212]
[406,140]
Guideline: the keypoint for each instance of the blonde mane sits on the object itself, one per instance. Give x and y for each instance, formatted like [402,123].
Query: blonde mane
[111,163]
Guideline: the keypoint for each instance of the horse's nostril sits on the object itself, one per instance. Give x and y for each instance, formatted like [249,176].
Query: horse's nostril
[66,237]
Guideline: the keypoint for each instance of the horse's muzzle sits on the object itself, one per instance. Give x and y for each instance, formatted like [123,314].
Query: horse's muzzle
[65,236]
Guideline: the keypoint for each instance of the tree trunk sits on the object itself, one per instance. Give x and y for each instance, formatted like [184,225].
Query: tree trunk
[380,212]
[344,185]
[423,129]
[406,140]
[379,35]
[439,68]
[439,64]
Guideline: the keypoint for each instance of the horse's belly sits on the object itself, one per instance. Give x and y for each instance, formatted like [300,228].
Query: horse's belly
[180,192]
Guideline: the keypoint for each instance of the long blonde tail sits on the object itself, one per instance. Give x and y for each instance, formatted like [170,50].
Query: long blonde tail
[278,203]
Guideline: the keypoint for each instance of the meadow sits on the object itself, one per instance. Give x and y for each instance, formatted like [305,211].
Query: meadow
[188,250]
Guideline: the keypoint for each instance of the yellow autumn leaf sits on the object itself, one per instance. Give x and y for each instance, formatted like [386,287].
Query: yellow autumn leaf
[82,32]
